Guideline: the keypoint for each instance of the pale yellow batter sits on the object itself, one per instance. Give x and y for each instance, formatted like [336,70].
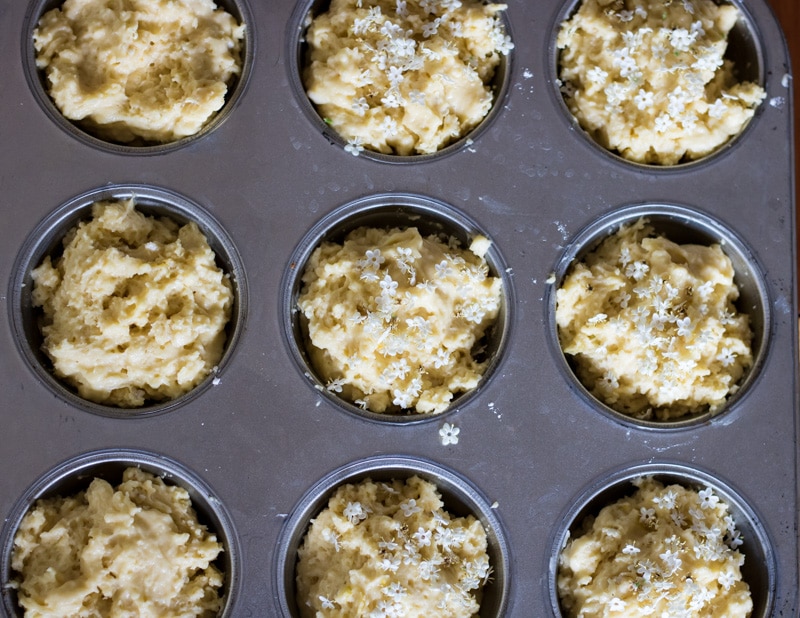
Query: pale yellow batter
[393,317]
[664,551]
[405,77]
[132,550]
[647,78]
[383,550]
[153,70]
[651,325]
[135,309]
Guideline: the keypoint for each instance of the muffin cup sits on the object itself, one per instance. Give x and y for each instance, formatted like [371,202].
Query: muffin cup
[682,225]
[76,473]
[744,49]
[759,569]
[46,240]
[37,81]
[297,54]
[459,496]
[403,210]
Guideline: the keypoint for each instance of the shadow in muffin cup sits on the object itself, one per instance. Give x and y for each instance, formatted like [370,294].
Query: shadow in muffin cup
[46,240]
[83,132]
[386,211]
[460,499]
[77,473]
[681,225]
[297,54]
[745,49]
[759,569]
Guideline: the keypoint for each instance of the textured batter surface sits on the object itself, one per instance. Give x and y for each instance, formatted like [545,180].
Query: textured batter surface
[393,318]
[404,77]
[135,309]
[383,550]
[156,70]
[647,78]
[133,550]
[664,551]
[651,325]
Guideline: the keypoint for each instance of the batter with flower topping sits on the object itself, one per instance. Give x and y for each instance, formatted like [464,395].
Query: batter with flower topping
[383,550]
[648,78]
[404,76]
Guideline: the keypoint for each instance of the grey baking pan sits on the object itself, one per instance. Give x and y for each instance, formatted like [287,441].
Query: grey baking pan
[260,444]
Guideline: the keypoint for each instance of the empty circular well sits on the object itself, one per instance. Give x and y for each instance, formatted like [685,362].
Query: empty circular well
[664,536]
[399,107]
[388,312]
[646,328]
[161,389]
[381,478]
[75,475]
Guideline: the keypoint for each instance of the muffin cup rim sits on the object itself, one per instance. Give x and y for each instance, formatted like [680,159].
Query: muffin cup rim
[690,475]
[233,97]
[315,497]
[607,224]
[163,466]
[51,228]
[573,126]
[400,203]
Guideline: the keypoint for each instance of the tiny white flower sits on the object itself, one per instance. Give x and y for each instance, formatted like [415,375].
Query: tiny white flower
[409,507]
[443,269]
[663,123]
[727,579]
[616,605]
[448,434]
[390,564]
[389,127]
[727,357]
[354,146]
[431,28]
[597,75]
[707,498]
[395,75]
[681,39]
[390,29]
[597,319]
[417,97]
[643,100]
[684,327]
[422,537]
[735,539]
[355,512]
[392,99]
[428,6]
[717,109]
[388,286]
[360,106]
[335,386]
[326,603]
[625,16]
[630,549]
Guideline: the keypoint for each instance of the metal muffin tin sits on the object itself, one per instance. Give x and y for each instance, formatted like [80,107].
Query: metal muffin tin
[260,446]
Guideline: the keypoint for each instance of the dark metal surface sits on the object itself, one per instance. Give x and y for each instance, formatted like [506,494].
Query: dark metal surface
[263,436]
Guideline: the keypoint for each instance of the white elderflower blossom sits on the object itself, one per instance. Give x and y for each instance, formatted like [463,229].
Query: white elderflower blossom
[448,434]
[643,100]
[354,146]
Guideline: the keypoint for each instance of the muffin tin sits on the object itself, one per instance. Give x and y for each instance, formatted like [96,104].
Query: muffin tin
[261,444]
